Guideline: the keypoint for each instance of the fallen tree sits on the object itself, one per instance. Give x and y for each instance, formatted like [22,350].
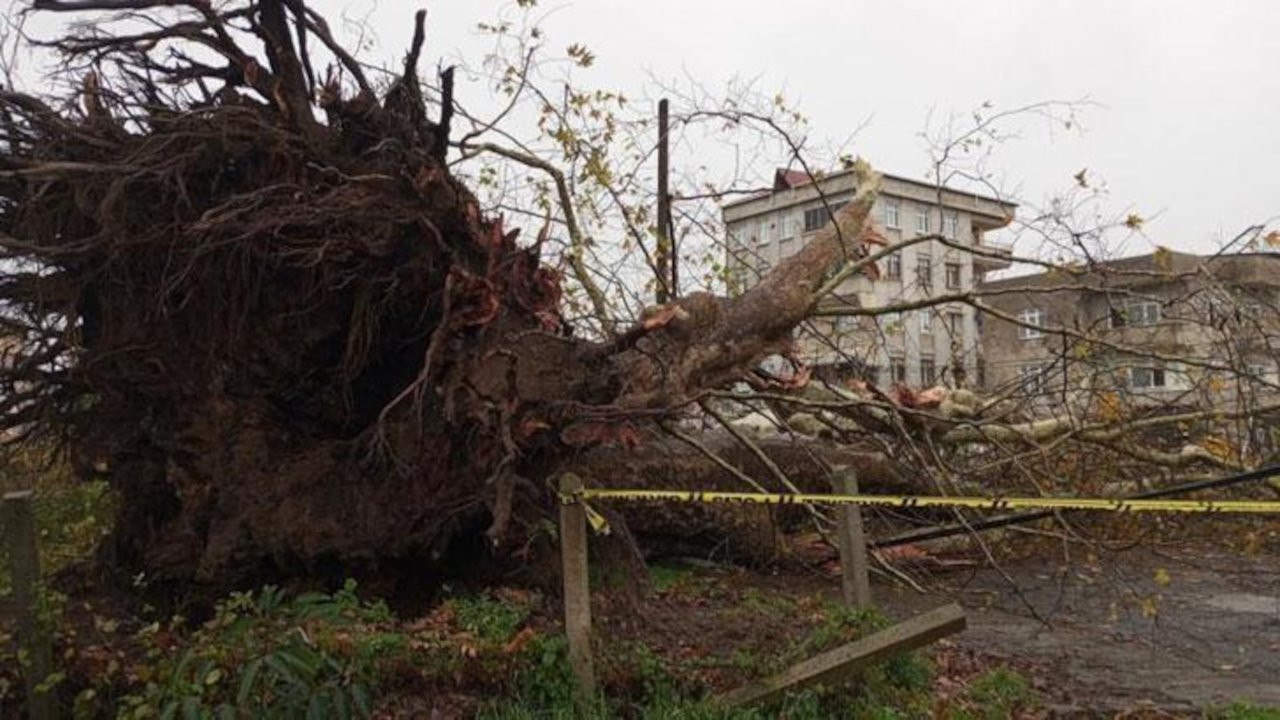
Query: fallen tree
[261,300]
[256,298]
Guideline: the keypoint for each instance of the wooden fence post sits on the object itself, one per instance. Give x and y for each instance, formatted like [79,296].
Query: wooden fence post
[855,585]
[577,589]
[24,564]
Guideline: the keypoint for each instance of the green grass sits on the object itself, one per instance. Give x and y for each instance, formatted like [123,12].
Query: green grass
[1244,711]
[996,694]
[896,690]
[666,576]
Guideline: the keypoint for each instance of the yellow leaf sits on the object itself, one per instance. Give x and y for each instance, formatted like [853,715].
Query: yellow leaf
[1162,257]
[1134,221]
[1162,577]
[1149,608]
[1272,239]
[1109,407]
[1218,447]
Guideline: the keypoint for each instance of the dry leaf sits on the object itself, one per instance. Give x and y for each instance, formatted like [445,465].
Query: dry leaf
[1149,608]
[1162,577]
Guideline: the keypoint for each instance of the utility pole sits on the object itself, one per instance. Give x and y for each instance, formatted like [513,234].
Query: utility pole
[666,253]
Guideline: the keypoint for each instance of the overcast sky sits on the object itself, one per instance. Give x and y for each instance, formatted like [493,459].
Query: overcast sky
[1187,126]
[1185,130]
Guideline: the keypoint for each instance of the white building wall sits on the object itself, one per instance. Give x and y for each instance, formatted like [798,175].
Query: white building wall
[772,229]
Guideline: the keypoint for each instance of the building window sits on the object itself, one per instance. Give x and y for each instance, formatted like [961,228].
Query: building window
[922,221]
[924,271]
[893,266]
[762,232]
[1031,316]
[897,370]
[1136,313]
[1143,313]
[786,247]
[926,322]
[950,225]
[953,276]
[892,214]
[1143,378]
[893,323]
[928,372]
[1032,378]
[814,219]
[955,323]
[817,218]
[785,228]
[844,324]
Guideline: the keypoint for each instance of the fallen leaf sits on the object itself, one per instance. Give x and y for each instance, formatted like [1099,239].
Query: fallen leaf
[518,642]
[1149,608]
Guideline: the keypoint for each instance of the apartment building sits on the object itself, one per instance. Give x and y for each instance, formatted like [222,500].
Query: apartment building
[1167,327]
[919,347]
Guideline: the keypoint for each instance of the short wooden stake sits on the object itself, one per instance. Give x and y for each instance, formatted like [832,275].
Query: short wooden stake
[842,664]
[855,584]
[577,589]
[19,525]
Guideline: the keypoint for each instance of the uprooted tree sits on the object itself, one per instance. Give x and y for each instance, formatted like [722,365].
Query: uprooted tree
[257,294]
[260,297]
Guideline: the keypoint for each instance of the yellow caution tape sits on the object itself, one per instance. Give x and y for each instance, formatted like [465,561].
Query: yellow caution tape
[598,523]
[926,501]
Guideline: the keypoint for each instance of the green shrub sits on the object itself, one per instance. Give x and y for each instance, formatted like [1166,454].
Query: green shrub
[263,656]
[489,619]
[71,519]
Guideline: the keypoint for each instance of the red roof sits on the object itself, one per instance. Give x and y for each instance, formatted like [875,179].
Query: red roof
[785,179]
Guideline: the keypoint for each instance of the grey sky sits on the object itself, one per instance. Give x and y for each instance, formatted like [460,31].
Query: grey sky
[1186,130]
[1189,92]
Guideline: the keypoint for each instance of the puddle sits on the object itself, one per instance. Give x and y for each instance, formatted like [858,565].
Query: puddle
[1245,603]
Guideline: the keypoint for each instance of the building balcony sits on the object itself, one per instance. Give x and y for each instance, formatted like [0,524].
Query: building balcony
[995,255]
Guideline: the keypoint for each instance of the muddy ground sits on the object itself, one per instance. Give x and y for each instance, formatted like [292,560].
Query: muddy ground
[1175,628]
[1159,629]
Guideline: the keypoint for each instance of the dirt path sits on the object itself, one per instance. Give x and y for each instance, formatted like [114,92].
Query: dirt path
[1177,629]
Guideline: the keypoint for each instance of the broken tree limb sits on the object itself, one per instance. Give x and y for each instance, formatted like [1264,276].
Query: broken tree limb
[842,664]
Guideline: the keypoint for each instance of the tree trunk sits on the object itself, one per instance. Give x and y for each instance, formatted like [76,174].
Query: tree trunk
[295,344]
